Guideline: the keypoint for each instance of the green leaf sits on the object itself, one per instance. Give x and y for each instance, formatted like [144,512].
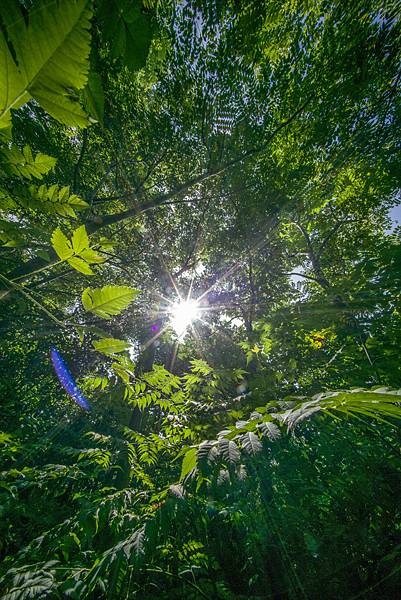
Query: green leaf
[43,254]
[51,53]
[270,430]
[13,92]
[109,300]
[80,240]
[128,30]
[379,405]
[61,244]
[52,200]
[251,443]
[24,164]
[6,202]
[139,37]
[76,251]
[44,163]
[94,96]
[90,256]
[80,265]
[229,450]
[188,463]
[110,345]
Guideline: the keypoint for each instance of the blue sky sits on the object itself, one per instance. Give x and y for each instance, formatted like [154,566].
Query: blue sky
[395,214]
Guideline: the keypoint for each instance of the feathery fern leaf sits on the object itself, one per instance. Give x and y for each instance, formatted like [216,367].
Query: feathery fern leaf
[251,443]
[269,429]
[377,404]
[229,450]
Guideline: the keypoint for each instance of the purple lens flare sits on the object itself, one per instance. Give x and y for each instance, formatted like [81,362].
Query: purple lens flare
[67,380]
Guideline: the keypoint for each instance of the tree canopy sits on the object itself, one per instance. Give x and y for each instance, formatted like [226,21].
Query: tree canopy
[200,291]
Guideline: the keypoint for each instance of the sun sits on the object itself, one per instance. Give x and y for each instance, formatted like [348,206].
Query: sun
[182,315]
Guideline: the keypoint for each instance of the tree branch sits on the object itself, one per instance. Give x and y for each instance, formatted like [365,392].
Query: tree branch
[156,202]
[305,276]
[79,162]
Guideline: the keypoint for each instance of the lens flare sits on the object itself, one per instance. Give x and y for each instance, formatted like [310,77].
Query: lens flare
[67,380]
[182,314]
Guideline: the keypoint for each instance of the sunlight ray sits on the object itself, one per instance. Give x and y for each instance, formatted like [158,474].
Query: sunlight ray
[154,338]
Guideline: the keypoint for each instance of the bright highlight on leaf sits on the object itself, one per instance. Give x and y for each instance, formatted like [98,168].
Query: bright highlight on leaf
[24,164]
[182,314]
[76,251]
[108,301]
[110,345]
[189,462]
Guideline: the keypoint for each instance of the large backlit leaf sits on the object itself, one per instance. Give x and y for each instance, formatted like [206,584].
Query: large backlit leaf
[80,240]
[51,52]
[108,301]
[110,345]
[188,463]
[94,96]
[61,244]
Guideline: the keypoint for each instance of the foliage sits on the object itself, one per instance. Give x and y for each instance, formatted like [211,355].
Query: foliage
[244,155]
[108,301]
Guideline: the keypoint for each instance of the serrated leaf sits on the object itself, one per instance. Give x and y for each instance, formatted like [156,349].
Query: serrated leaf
[188,463]
[61,244]
[270,430]
[27,153]
[94,96]
[52,200]
[24,164]
[79,239]
[108,301]
[51,50]
[251,443]
[229,450]
[373,404]
[91,256]
[80,265]
[110,345]
[203,450]
[63,193]
[51,192]
[44,163]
